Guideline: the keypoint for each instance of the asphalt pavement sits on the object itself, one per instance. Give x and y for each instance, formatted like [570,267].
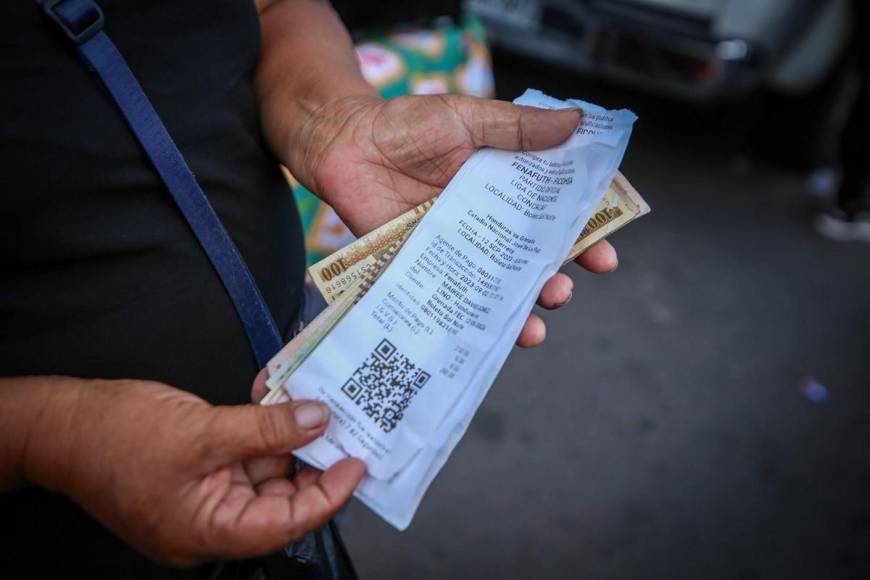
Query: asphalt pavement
[662,431]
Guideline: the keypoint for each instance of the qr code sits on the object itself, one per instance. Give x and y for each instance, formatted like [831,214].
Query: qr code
[385,384]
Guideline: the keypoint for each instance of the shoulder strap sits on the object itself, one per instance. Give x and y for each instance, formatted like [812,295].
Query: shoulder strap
[82,21]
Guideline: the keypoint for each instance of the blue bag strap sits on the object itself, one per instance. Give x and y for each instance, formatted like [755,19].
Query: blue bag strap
[82,21]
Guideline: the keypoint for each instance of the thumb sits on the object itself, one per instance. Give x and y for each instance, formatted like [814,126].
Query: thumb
[248,431]
[504,125]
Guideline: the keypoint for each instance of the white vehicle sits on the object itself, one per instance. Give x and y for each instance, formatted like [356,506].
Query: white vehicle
[694,49]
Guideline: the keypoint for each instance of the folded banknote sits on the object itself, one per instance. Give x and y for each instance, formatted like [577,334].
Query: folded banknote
[620,205]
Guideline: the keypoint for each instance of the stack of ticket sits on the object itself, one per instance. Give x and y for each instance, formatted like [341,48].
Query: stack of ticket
[424,311]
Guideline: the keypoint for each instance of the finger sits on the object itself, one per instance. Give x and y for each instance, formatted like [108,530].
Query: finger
[600,258]
[259,390]
[556,292]
[246,524]
[277,486]
[507,126]
[307,476]
[533,333]
[262,468]
[268,522]
[248,431]
[316,503]
[251,526]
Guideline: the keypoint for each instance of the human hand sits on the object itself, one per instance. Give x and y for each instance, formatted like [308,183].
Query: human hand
[181,480]
[372,160]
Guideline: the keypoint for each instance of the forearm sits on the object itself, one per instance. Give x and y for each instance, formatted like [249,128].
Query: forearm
[37,413]
[307,61]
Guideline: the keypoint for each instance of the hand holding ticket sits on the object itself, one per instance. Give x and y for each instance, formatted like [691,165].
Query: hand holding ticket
[336,273]
[405,367]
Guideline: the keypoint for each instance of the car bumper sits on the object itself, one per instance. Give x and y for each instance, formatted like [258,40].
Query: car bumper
[663,53]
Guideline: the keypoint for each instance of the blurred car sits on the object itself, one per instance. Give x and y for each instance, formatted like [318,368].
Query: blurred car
[694,49]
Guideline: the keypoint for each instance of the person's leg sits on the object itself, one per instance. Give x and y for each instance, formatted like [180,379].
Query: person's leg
[851,197]
[849,218]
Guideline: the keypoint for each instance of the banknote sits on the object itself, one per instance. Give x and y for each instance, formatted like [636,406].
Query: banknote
[336,273]
[343,277]
[340,270]
[297,350]
[621,205]
[294,352]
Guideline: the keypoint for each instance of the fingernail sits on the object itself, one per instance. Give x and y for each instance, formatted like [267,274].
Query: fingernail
[570,296]
[310,414]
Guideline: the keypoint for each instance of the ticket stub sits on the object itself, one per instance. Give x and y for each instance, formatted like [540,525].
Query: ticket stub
[404,371]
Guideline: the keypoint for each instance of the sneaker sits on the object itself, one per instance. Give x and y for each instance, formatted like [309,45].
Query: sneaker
[837,225]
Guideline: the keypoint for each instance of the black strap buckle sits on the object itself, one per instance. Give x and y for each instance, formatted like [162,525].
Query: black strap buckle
[80,20]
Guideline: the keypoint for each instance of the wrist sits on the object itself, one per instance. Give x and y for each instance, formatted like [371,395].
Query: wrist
[307,64]
[54,419]
[298,121]
[323,91]
[310,139]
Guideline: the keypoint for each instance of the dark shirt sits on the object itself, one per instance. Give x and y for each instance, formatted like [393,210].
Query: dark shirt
[100,276]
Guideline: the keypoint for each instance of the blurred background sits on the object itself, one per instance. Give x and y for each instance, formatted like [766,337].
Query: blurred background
[704,411]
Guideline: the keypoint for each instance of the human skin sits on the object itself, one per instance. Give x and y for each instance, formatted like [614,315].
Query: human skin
[179,479]
[371,159]
[184,481]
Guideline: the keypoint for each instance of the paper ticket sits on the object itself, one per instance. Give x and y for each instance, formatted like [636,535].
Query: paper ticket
[337,272]
[404,370]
